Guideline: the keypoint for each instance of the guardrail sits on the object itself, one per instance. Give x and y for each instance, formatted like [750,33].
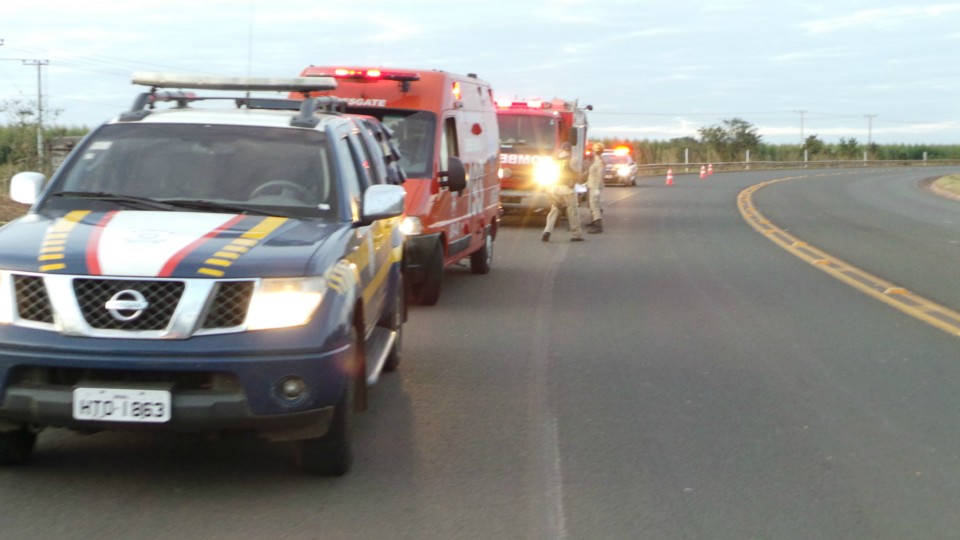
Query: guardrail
[659,169]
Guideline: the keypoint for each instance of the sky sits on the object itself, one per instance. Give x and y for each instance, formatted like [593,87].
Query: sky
[878,71]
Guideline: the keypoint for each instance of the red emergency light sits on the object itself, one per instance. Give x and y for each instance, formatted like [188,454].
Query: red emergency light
[370,75]
[529,104]
[621,150]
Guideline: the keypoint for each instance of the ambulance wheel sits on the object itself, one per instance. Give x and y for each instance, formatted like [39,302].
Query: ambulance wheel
[16,446]
[482,259]
[331,454]
[428,292]
[398,315]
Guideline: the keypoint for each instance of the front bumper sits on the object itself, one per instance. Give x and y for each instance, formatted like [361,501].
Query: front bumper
[512,199]
[209,393]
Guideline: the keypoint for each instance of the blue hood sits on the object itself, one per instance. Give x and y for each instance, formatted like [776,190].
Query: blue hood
[167,244]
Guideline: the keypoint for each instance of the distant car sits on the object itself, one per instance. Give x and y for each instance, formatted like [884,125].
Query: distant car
[620,168]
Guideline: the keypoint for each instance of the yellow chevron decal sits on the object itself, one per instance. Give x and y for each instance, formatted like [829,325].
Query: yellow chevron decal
[238,246]
[52,247]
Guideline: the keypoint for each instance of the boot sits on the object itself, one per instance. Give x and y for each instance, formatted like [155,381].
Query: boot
[595,227]
[545,237]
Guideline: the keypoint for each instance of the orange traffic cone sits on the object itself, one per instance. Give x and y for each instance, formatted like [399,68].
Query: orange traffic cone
[703,172]
[669,177]
[709,169]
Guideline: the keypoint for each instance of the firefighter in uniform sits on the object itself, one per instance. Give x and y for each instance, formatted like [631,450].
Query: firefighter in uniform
[595,187]
[563,198]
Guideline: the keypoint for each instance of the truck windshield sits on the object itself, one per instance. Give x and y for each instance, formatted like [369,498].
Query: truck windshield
[521,133]
[241,165]
[414,133]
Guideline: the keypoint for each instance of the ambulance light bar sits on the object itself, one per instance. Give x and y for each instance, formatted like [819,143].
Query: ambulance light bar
[372,75]
[530,104]
[288,84]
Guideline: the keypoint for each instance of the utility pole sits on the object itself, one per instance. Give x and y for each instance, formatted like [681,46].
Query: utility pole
[39,64]
[869,118]
[802,140]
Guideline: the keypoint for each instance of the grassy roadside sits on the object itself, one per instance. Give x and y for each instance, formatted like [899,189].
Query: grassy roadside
[949,184]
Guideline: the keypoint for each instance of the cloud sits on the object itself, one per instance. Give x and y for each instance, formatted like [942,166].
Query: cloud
[873,18]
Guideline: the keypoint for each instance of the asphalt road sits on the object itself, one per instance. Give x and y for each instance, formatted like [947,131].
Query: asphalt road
[678,377]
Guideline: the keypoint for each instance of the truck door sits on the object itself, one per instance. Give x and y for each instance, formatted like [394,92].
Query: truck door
[372,254]
[457,239]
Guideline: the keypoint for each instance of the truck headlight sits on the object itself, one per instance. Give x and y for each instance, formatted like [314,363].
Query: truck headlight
[411,225]
[285,302]
[546,172]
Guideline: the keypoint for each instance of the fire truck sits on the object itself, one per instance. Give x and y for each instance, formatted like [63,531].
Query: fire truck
[446,127]
[531,132]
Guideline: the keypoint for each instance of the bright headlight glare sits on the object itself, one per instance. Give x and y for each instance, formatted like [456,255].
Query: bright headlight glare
[285,302]
[411,225]
[623,171]
[546,172]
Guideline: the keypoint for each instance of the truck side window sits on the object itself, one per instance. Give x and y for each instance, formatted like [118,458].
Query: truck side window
[361,160]
[350,174]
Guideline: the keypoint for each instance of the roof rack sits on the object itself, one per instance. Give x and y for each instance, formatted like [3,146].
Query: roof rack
[207,82]
[331,104]
[145,102]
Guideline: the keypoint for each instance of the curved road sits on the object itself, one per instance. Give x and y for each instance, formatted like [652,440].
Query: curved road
[679,376]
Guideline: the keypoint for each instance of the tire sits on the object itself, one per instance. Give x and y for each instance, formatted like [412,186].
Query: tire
[482,259]
[16,446]
[428,292]
[397,317]
[332,454]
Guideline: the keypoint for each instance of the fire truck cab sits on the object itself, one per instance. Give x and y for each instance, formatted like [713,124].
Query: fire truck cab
[531,132]
[446,127]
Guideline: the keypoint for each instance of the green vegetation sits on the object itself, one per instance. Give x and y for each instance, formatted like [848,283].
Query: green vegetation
[726,142]
[732,139]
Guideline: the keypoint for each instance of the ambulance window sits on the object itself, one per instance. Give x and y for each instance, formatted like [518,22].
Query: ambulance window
[448,143]
[415,136]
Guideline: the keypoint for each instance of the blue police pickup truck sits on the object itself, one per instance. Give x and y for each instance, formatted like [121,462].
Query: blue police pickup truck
[210,264]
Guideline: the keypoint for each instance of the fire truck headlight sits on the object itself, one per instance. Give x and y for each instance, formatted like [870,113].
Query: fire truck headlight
[411,226]
[285,302]
[546,172]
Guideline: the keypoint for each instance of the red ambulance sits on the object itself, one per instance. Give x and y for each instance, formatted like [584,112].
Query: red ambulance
[446,127]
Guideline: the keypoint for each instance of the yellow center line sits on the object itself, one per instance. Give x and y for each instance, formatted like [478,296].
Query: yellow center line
[889,293]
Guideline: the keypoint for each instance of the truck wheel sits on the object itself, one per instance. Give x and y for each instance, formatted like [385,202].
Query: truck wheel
[331,455]
[428,292]
[482,259]
[397,317]
[16,446]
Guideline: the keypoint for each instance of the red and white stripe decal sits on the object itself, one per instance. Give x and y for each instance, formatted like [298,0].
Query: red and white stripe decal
[150,244]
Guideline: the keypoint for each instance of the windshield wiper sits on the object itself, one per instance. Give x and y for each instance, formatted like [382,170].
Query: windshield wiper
[103,196]
[201,204]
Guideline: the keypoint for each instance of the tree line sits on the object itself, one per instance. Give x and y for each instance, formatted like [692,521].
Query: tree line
[732,140]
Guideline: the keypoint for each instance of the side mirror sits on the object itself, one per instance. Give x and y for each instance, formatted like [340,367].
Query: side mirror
[455,175]
[382,201]
[25,187]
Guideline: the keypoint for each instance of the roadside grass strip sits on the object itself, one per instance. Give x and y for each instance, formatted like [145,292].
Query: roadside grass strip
[892,294]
